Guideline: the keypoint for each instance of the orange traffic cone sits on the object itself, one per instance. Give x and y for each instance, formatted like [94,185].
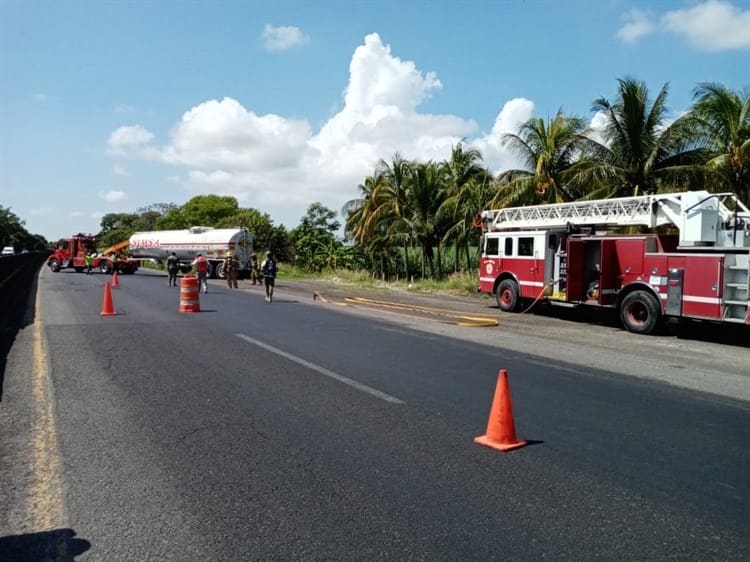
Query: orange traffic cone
[501,431]
[115,280]
[108,308]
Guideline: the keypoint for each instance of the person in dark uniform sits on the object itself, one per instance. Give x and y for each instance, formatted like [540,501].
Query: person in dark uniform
[173,266]
[269,269]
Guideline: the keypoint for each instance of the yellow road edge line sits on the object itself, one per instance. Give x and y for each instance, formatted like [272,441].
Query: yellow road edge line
[45,505]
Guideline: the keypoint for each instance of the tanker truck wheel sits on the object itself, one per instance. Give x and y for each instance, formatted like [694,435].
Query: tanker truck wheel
[104,267]
[218,271]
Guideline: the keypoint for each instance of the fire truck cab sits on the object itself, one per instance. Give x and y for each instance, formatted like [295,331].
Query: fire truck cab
[555,253]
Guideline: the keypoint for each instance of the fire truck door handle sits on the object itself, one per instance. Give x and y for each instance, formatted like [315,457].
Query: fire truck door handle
[531,270]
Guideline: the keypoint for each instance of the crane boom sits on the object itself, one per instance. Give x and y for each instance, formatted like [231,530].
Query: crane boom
[120,246]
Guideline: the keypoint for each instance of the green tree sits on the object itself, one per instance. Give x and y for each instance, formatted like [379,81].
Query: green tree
[13,233]
[201,210]
[548,149]
[149,216]
[12,229]
[209,210]
[465,183]
[722,125]
[315,233]
[115,228]
[390,215]
[641,152]
[261,228]
[425,196]
[174,219]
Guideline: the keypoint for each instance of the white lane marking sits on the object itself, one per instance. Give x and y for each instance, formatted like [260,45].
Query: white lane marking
[323,371]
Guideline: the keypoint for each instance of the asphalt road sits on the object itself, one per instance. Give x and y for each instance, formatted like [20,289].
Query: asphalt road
[306,430]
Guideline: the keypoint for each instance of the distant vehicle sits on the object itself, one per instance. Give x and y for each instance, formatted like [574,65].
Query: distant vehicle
[9,251]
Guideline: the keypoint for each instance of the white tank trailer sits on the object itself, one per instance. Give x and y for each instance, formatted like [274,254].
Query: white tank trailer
[213,243]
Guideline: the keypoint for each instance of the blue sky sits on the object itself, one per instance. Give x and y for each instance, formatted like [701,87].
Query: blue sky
[111,106]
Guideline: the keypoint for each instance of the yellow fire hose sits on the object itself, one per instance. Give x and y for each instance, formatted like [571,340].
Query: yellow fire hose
[444,316]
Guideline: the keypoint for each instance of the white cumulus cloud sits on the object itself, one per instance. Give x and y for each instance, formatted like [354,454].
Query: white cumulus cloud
[638,23]
[128,137]
[280,165]
[222,133]
[283,37]
[113,196]
[714,25]
[497,156]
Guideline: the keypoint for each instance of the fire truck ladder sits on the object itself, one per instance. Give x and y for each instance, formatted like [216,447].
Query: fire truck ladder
[643,210]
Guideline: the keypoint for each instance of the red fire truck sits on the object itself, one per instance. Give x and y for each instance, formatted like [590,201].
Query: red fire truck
[71,252]
[693,262]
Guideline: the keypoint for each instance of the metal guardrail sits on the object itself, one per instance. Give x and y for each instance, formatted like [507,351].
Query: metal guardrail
[16,281]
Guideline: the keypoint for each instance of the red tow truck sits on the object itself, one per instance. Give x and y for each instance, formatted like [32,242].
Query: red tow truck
[71,253]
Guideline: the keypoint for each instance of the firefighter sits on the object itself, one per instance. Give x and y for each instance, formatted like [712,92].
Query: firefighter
[254,269]
[201,268]
[269,269]
[173,266]
[89,259]
[230,270]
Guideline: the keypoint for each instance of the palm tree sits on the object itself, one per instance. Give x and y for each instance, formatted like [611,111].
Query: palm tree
[722,119]
[463,180]
[548,149]
[425,196]
[357,227]
[641,152]
[391,214]
[356,211]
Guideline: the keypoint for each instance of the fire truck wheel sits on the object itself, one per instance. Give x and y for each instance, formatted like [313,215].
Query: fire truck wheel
[639,312]
[104,267]
[507,296]
[54,265]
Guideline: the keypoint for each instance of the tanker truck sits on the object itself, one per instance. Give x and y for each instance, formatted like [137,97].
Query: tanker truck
[213,243]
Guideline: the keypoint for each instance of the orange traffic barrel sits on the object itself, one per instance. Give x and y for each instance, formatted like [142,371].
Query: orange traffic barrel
[189,294]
